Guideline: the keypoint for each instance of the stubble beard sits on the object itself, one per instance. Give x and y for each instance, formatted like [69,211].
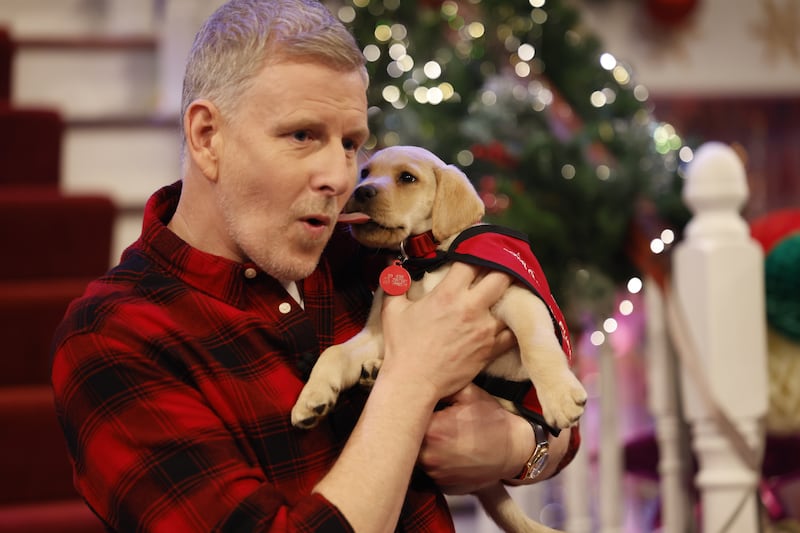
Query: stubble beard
[274,259]
[279,250]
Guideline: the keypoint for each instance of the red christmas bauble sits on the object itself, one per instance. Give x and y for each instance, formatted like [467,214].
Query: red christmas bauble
[670,12]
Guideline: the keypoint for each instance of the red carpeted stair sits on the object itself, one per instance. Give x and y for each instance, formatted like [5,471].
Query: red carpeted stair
[51,245]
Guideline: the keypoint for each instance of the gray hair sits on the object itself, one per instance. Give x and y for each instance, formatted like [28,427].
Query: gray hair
[234,43]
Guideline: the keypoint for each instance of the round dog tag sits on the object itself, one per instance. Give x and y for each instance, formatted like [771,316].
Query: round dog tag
[395,279]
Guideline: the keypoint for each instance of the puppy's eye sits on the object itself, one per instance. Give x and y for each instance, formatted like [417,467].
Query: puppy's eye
[407,177]
[364,173]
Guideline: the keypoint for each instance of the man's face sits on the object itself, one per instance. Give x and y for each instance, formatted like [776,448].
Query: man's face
[288,164]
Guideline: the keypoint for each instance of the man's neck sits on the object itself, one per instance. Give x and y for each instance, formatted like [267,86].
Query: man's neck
[196,223]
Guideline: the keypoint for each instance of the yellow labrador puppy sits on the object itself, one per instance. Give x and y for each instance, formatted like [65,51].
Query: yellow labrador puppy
[409,200]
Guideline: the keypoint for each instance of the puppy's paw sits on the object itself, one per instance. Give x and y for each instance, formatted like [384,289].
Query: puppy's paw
[312,405]
[563,402]
[369,372]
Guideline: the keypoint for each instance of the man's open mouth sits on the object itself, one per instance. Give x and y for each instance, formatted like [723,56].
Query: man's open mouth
[316,222]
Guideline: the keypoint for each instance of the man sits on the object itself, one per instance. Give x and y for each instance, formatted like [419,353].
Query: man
[174,375]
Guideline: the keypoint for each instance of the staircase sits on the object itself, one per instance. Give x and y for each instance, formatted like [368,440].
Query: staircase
[89,97]
[53,244]
[113,69]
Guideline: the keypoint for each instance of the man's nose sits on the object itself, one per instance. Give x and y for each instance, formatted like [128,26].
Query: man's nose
[336,174]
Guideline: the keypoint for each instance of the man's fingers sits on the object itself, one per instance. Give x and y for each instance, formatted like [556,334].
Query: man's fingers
[460,276]
[488,289]
[491,287]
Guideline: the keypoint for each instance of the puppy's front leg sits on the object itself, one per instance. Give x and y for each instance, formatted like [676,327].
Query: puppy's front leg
[340,367]
[560,393]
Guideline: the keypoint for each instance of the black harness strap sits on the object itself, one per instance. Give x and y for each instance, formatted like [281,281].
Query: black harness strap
[515,392]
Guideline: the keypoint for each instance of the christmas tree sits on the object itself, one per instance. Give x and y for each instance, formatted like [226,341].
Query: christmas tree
[555,134]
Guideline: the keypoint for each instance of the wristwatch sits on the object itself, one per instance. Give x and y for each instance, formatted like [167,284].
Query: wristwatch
[541,453]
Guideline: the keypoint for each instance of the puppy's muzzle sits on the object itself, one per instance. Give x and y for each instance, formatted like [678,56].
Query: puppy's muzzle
[365,193]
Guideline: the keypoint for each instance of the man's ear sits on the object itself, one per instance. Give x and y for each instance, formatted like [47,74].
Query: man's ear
[201,124]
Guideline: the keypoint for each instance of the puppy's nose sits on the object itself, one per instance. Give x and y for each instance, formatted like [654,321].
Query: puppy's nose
[365,192]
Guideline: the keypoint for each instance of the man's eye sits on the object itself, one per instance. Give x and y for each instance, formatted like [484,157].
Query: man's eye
[302,136]
[407,177]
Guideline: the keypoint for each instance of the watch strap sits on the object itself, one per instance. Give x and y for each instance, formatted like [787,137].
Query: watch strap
[539,456]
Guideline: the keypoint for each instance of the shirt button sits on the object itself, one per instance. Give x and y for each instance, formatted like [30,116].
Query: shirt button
[285,307]
[250,273]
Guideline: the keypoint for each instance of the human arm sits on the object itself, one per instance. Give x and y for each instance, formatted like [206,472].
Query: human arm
[453,333]
[175,411]
[151,453]
[172,429]
[474,441]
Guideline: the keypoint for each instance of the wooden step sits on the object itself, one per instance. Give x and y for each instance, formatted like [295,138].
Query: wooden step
[127,228]
[62,516]
[53,235]
[70,18]
[125,157]
[87,77]
[34,465]
[30,311]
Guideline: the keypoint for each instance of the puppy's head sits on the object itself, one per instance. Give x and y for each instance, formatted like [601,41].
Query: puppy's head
[406,190]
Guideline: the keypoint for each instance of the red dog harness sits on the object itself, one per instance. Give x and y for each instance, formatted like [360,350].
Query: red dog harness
[509,251]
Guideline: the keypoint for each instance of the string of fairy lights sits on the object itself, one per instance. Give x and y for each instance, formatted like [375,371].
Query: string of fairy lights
[412,77]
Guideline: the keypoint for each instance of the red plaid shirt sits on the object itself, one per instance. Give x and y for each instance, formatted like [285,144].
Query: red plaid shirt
[174,377]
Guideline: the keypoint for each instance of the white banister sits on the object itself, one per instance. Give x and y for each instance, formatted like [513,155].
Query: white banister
[664,405]
[719,305]
[577,499]
[610,454]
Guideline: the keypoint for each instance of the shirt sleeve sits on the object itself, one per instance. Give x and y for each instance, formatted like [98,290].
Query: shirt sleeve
[150,454]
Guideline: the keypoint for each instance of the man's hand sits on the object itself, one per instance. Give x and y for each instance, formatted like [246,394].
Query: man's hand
[445,338]
[474,442]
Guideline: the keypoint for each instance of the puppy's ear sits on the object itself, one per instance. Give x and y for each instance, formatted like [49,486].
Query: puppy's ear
[456,205]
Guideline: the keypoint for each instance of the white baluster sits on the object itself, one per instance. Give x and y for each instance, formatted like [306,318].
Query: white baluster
[576,496]
[611,449]
[719,291]
[662,396]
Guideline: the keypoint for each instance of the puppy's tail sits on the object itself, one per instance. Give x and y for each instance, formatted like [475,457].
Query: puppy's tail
[505,512]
